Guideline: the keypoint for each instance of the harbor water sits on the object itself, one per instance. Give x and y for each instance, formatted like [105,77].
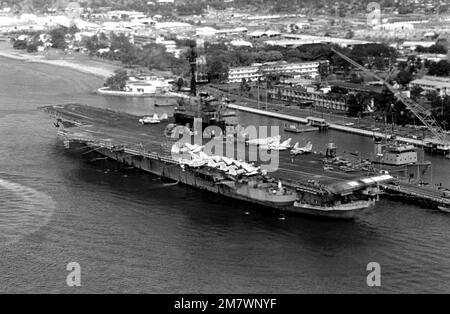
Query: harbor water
[132,233]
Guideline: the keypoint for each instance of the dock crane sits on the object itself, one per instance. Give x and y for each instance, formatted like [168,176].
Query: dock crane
[424,115]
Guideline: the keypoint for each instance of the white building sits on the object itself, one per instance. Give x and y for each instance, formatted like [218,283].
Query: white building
[259,71]
[121,14]
[412,45]
[434,57]
[148,85]
[264,34]
[441,85]
[250,73]
[171,46]
[399,155]
[232,31]
[241,43]
[396,26]
[295,40]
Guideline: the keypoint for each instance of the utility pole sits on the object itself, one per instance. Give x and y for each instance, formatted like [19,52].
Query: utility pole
[258,93]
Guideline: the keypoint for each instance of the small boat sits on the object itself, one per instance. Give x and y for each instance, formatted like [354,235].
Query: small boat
[150,120]
[444,209]
[299,128]
[164,117]
[293,128]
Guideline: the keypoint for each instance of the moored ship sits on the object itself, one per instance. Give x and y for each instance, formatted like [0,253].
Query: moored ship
[120,138]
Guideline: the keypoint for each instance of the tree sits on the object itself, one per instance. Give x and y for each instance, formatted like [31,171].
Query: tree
[117,81]
[437,49]
[441,107]
[217,69]
[356,78]
[404,77]
[402,65]
[73,29]
[180,83]
[441,68]
[20,44]
[32,47]
[416,92]
[355,106]
[350,34]
[59,37]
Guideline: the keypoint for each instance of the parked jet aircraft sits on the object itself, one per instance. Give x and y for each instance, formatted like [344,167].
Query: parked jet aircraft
[301,150]
[276,145]
[264,141]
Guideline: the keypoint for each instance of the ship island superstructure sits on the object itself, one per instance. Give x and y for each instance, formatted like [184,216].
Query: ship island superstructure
[212,111]
[292,188]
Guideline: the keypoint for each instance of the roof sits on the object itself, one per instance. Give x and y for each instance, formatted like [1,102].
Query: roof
[354,185]
[433,81]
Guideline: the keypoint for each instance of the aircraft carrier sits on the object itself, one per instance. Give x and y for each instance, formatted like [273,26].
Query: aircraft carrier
[300,185]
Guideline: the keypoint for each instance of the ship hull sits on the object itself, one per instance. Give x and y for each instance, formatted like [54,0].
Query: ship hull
[170,170]
[344,212]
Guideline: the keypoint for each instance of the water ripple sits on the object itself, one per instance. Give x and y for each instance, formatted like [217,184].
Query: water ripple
[23,210]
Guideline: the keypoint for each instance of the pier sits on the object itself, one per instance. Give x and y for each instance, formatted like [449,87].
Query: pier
[334,126]
[414,194]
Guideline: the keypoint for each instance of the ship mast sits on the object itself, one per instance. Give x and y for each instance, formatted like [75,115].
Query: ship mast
[192,57]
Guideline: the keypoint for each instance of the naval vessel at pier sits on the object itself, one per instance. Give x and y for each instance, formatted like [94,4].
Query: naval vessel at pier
[296,187]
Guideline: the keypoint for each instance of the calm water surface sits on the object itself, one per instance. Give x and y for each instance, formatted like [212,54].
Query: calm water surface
[128,235]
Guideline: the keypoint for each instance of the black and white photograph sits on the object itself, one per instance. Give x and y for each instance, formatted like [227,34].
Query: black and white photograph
[225,153]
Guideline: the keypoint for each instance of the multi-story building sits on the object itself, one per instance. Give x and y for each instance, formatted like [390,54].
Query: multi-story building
[259,71]
[296,95]
[148,85]
[441,85]
[250,73]
[171,46]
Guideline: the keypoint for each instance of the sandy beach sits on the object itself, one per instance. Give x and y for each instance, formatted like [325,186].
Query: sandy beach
[79,63]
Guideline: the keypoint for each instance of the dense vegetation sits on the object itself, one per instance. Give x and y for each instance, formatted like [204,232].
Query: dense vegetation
[151,56]
[188,7]
[117,81]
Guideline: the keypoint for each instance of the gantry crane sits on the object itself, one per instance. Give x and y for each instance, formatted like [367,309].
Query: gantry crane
[424,115]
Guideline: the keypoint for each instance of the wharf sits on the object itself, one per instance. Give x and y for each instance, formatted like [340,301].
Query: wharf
[424,196]
[334,126]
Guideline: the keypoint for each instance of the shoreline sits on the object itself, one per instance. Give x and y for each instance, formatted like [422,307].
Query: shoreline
[98,71]
[104,91]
